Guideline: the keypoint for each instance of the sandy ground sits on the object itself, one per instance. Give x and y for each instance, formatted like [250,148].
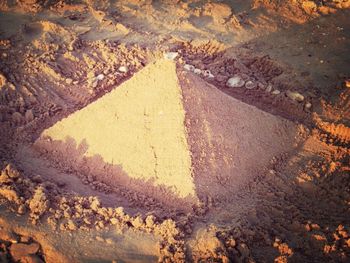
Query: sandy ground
[256,96]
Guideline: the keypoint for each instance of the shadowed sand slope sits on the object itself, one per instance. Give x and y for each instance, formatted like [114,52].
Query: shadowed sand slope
[231,142]
[174,130]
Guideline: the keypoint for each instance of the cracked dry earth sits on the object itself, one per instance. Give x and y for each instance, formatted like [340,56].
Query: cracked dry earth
[288,197]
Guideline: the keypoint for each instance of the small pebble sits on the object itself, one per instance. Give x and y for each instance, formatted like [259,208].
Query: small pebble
[189,67]
[208,74]
[250,85]
[100,77]
[275,92]
[269,88]
[235,82]
[308,105]
[197,71]
[69,81]
[296,96]
[123,69]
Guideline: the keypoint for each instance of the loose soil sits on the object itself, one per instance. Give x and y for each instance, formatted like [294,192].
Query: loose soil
[267,160]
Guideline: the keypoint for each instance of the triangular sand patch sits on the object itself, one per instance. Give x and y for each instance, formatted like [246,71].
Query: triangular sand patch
[139,126]
[170,130]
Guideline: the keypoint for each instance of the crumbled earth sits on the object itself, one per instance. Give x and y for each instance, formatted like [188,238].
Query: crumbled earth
[287,58]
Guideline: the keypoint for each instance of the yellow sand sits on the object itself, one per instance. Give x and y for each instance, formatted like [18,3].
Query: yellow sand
[140,126]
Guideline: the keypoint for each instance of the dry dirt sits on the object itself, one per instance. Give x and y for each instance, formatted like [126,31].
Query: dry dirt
[175,131]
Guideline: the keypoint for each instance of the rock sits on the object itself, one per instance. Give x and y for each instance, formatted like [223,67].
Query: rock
[276,92]
[100,77]
[296,96]
[189,67]
[95,204]
[269,88]
[94,84]
[250,85]
[137,222]
[171,55]
[21,209]
[29,116]
[308,105]
[150,221]
[260,85]
[197,71]
[208,74]
[20,250]
[123,69]
[69,81]
[235,82]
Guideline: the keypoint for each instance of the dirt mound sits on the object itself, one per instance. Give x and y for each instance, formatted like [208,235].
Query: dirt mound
[224,144]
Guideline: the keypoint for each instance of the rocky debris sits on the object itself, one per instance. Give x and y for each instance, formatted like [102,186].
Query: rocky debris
[235,82]
[276,92]
[309,7]
[10,194]
[8,189]
[206,246]
[38,204]
[203,72]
